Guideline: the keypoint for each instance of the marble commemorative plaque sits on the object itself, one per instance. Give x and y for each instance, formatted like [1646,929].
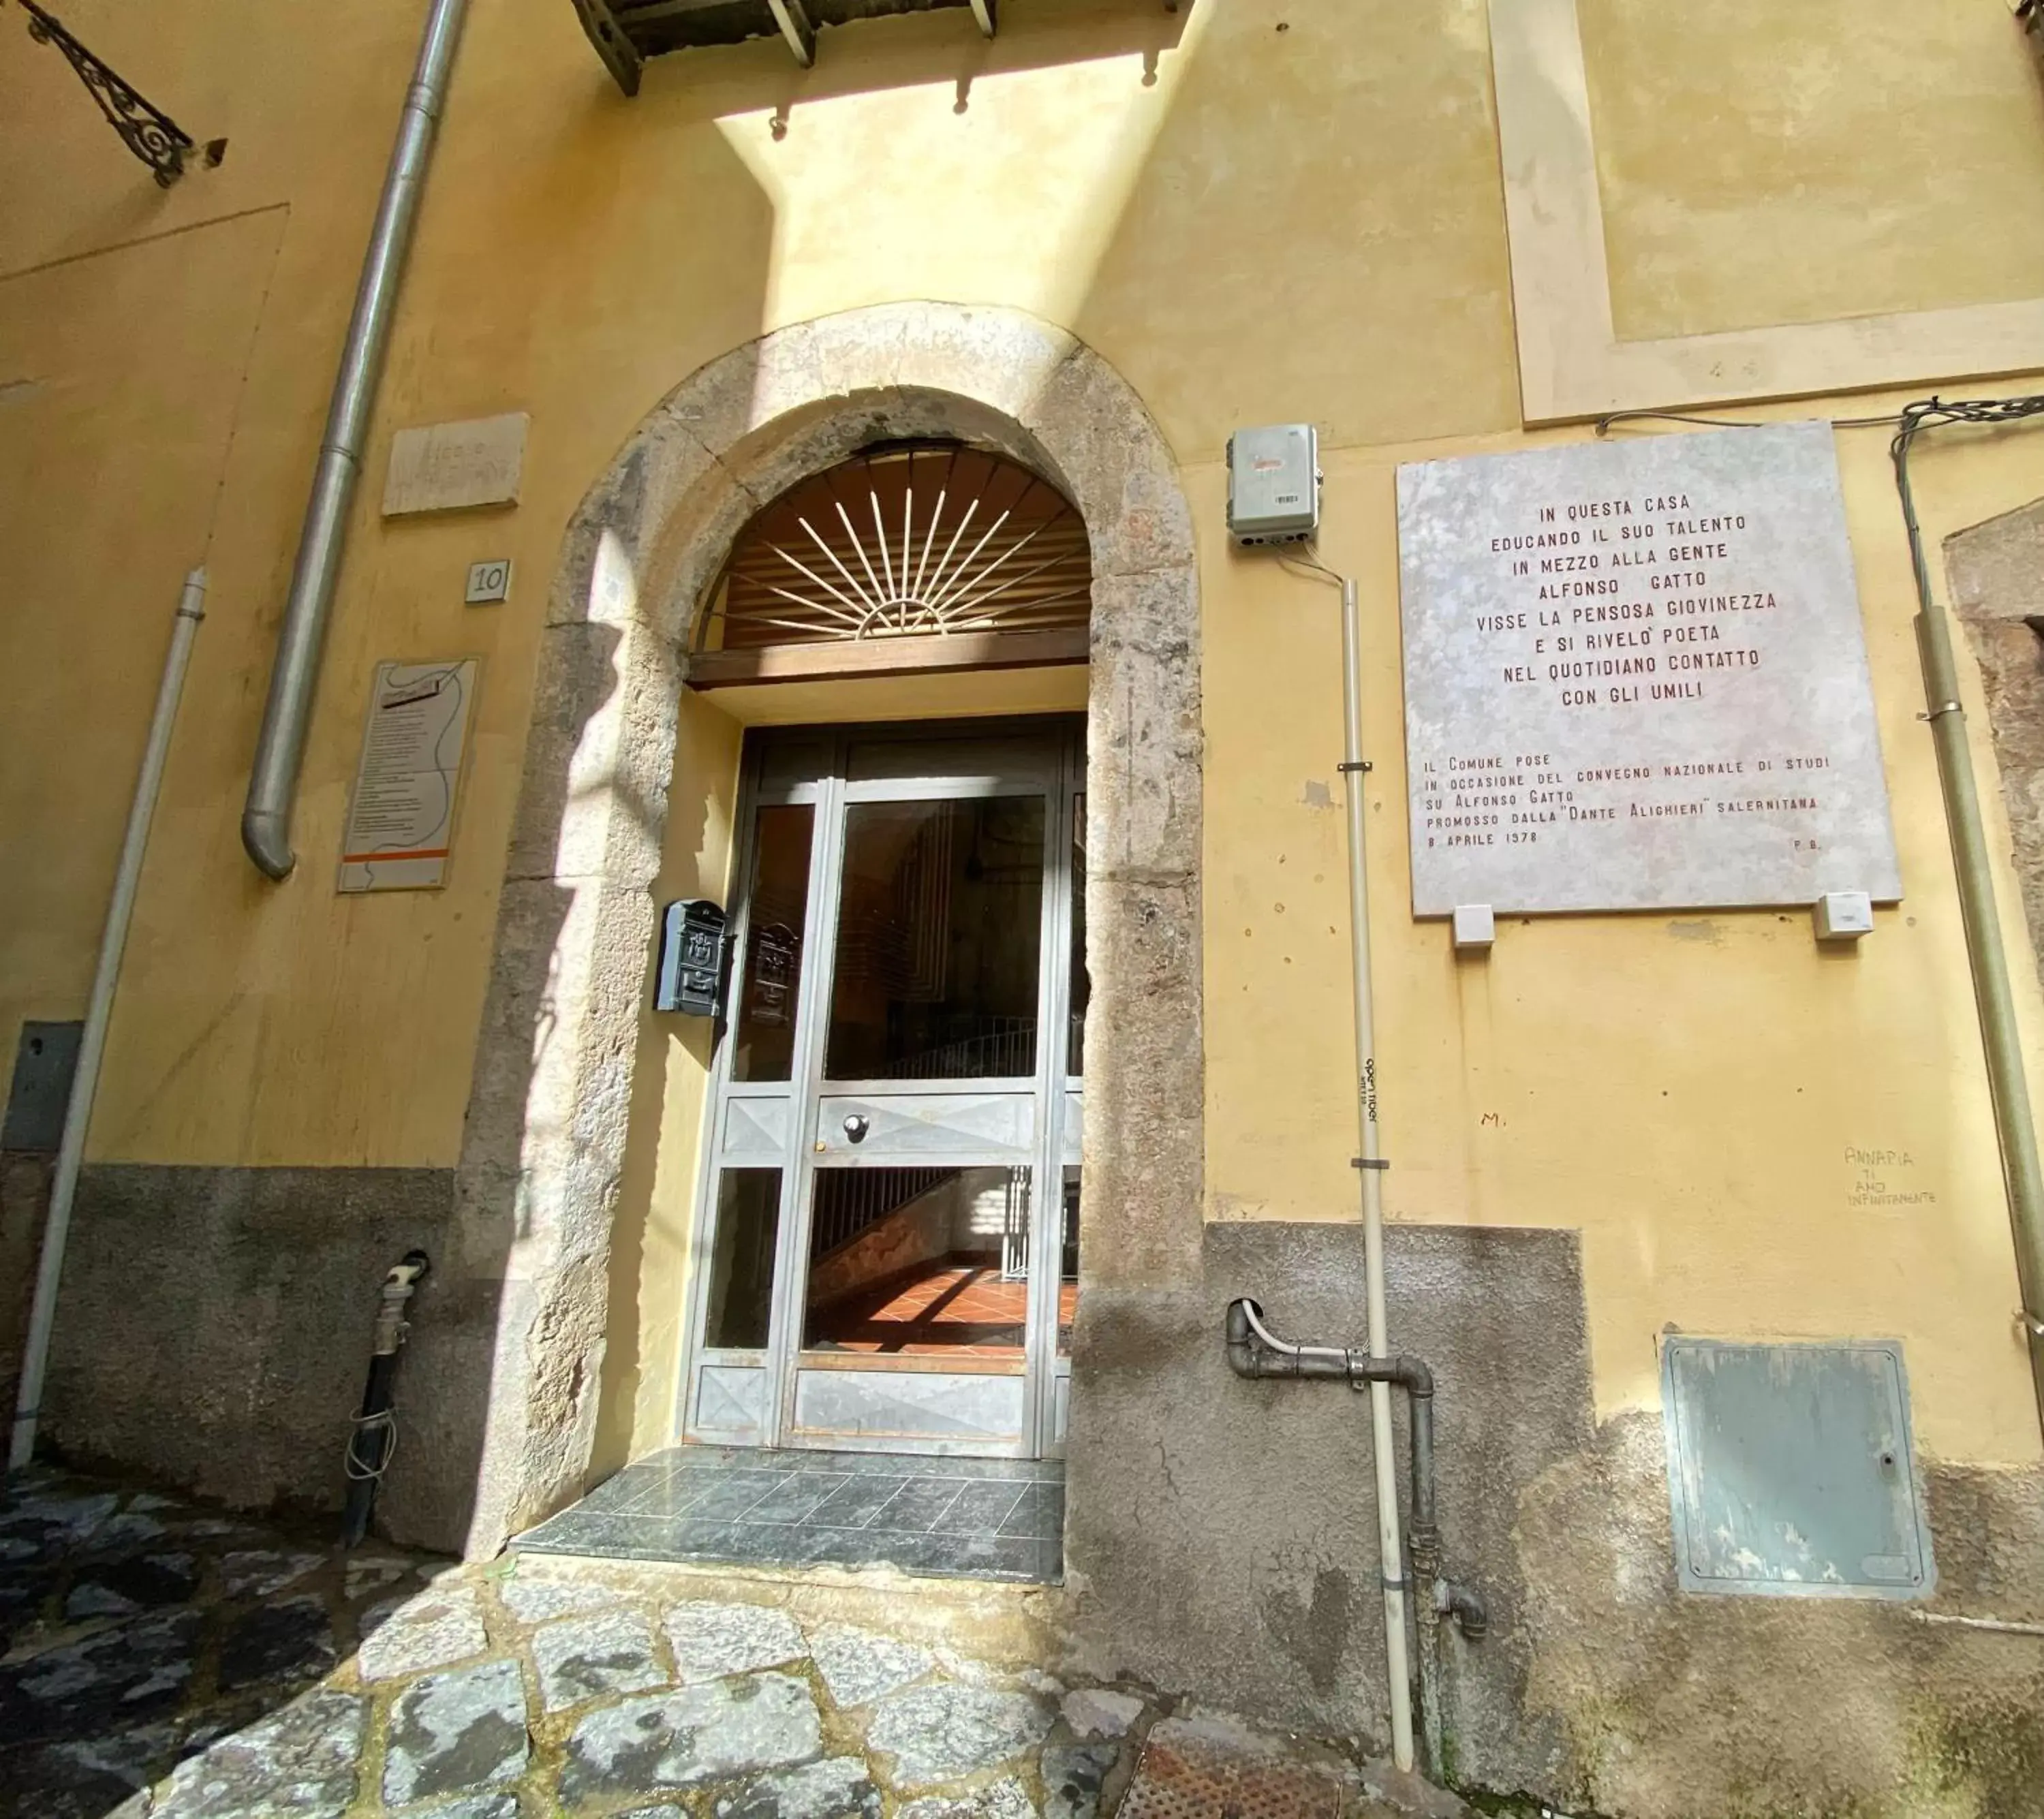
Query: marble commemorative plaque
[451,466]
[1635,678]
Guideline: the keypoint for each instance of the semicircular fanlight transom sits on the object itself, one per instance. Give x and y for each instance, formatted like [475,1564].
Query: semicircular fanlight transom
[901,542]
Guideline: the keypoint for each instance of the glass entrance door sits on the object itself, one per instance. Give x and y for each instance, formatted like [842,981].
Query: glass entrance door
[888,1234]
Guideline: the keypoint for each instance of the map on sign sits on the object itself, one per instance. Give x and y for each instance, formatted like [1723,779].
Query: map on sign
[1635,678]
[400,821]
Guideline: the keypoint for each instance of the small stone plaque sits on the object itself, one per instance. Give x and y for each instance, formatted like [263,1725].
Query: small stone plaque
[489,582]
[1635,678]
[451,466]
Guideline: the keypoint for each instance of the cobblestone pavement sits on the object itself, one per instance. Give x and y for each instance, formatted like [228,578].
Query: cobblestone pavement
[161,1660]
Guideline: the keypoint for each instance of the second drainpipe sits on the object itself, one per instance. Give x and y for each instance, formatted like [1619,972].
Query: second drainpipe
[98,1015]
[1391,1551]
[266,818]
[1994,996]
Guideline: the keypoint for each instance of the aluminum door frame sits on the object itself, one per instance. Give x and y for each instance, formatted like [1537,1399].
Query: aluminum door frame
[762,1364]
[1015,770]
[1064,1125]
[1055,772]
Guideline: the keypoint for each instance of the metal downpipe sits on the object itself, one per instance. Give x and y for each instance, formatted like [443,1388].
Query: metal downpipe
[1391,1551]
[99,1013]
[266,818]
[1994,996]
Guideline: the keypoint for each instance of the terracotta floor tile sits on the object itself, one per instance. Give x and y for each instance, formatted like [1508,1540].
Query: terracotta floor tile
[951,1309]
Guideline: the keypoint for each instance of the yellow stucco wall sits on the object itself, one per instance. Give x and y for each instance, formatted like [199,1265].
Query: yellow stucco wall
[1761,163]
[656,1201]
[1255,211]
[1684,1090]
[579,267]
[110,464]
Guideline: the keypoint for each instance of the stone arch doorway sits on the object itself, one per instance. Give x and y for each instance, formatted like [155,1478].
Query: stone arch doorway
[552,1098]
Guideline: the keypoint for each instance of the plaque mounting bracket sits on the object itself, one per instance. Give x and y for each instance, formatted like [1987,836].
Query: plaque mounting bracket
[1475,926]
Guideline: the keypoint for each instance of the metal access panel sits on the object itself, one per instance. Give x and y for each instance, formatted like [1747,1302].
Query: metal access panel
[43,1063]
[1791,1470]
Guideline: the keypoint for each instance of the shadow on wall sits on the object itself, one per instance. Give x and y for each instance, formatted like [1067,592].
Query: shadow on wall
[1266,231]
[1996,571]
[544,1348]
[25,1177]
[528,1338]
[475,1307]
[918,51]
[214,1324]
[561,1291]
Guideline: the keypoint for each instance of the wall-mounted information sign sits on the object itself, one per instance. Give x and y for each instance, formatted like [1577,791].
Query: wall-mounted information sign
[400,818]
[1635,678]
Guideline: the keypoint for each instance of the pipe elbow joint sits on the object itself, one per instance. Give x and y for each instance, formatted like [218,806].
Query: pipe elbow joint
[266,839]
[1242,1357]
[1466,1604]
[1414,1375]
[407,1272]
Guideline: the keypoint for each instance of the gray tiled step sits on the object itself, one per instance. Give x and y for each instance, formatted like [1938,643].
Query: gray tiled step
[975,1518]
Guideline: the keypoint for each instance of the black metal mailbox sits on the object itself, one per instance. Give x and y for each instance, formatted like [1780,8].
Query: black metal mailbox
[694,946]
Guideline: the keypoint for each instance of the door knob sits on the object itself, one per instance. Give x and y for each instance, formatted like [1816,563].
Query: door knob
[855,1127]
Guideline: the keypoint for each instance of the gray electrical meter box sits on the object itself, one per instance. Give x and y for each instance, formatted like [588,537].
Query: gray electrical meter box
[1273,484]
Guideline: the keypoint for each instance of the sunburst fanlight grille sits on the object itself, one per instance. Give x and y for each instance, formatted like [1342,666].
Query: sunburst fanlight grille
[901,542]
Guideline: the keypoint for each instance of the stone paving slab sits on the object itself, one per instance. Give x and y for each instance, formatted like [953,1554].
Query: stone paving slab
[161,1660]
[583,1658]
[710,1641]
[301,1759]
[935,1734]
[700,1734]
[840,1787]
[409,1635]
[1006,1799]
[858,1666]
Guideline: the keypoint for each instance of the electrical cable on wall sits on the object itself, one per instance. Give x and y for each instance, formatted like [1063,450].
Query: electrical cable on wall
[1604,423]
[383,1426]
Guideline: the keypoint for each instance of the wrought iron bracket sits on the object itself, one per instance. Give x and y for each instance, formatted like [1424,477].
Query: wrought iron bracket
[606,32]
[796,27]
[147,132]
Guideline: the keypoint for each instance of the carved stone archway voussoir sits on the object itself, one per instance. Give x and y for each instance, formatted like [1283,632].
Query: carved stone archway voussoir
[549,1110]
